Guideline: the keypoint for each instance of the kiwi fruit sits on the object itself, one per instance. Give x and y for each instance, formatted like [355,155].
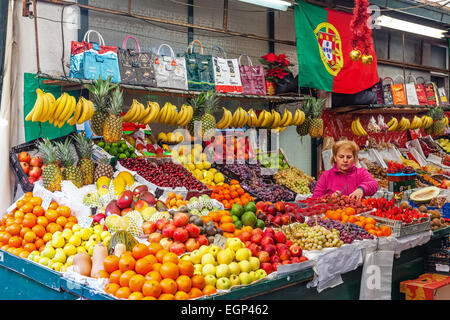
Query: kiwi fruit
[422,208]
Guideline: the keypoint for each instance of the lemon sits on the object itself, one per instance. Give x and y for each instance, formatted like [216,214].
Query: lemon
[199,165]
[219,178]
[162,136]
[191,167]
[208,175]
[213,170]
[206,165]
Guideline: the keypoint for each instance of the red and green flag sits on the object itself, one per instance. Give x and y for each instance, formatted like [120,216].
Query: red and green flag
[324,42]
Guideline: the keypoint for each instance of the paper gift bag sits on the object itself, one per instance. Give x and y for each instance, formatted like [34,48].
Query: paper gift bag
[252,78]
[170,71]
[411,94]
[420,91]
[226,73]
[387,93]
[398,93]
[199,66]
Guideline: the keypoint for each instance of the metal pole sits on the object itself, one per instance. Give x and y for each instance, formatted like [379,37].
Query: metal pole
[403,56]
[36,37]
[190,21]
[225,15]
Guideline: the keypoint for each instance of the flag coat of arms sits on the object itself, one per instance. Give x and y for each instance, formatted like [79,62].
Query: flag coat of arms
[324,42]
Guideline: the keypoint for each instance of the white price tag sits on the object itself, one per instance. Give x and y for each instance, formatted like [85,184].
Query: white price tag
[85,222]
[220,241]
[442,267]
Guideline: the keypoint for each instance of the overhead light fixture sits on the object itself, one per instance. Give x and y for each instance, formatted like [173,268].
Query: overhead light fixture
[393,23]
[274,4]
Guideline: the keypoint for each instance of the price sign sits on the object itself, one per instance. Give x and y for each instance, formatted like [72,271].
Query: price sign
[220,241]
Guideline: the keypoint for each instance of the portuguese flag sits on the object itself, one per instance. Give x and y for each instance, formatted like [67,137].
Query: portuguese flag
[324,42]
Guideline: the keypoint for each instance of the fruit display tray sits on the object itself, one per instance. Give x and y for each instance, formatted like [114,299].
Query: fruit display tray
[29,147]
[400,230]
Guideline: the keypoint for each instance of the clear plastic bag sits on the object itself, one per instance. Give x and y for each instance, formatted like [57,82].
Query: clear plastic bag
[381,124]
[372,126]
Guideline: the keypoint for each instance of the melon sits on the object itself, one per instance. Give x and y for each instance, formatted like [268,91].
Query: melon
[424,195]
[121,237]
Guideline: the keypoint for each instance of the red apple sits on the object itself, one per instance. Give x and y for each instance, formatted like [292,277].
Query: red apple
[256,238]
[285,255]
[303,258]
[194,231]
[281,247]
[138,190]
[280,237]
[257,231]
[36,162]
[286,261]
[277,221]
[178,248]
[266,240]
[180,235]
[288,243]
[148,227]
[98,217]
[260,205]
[180,219]
[263,256]
[295,260]
[140,205]
[279,205]
[267,267]
[271,249]
[125,211]
[192,244]
[166,243]
[247,243]
[160,223]
[32,180]
[154,237]
[269,231]
[25,166]
[168,230]
[275,265]
[24,156]
[202,240]
[296,250]
[285,219]
[270,209]
[35,172]
[125,199]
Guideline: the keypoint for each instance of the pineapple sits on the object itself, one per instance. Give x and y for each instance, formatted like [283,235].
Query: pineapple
[197,104]
[51,172]
[210,106]
[303,129]
[67,158]
[438,124]
[429,130]
[100,91]
[112,127]
[316,122]
[85,164]
[103,168]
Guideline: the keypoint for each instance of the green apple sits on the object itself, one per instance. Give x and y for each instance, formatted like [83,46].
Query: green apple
[234,268]
[245,266]
[242,254]
[254,263]
[33,254]
[86,233]
[234,244]
[36,258]
[105,234]
[67,233]
[81,249]
[261,273]
[49,263]
[253,276]
[69,261]
[98,229]
[208,258]
[210,280]
[208,269]
[234,279]
[214,250]
[60,256]
[198,268]
[58,242]
[56,266]
[223,283]
[76,227]
[244,277]
[48,252]
[95,238]
[224,257]
[69,249]
[196,256]
[222,270]
[203,249]
[43,261]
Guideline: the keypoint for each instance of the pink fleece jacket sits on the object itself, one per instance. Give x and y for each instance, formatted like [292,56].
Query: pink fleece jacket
[334,180]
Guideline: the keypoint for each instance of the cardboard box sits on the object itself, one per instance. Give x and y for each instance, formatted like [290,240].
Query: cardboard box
[428,286]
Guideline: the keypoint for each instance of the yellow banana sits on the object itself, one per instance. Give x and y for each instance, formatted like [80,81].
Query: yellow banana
[354,129]
[189,117]
[85,112]
[244,118]
[295,117]
[67,108]
[51,109]
[130,113]
[44,109]
[55,108]
[445,119]
[288,120]
[301,118]
[175,115]
[360,128]
[78,110]
[61,106]
[223,120]
[32,115]
[137,111]
[267,119]
[284,118]
[182,115]
[70,110]
[260,119]
[252,118]
[276,119]
[392,124]
[91,109]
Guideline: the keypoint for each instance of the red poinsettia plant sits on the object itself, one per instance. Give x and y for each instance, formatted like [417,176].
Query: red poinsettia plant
[275,66]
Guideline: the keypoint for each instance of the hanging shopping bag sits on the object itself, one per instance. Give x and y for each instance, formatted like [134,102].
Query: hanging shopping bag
[420,91]
[410,90]
[226,73]
[378,90]
[199,68]
[376,279]
[443,101]
[91,60]
[252,78]
[398,93]
[170,71]
[387,93]
[430,90]
[136,67]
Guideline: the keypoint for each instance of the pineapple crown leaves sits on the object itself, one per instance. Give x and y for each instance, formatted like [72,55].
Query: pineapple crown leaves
[48,151]
[84,146]
[316,107]
[64,153]
[100,89]
[116,102]
[438,113]
[198,102]
[211,102]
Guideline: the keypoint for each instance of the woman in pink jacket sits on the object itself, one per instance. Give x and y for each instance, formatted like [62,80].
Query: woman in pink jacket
[345,178]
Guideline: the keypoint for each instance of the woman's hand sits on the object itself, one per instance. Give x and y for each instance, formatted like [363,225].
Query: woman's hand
[357,194]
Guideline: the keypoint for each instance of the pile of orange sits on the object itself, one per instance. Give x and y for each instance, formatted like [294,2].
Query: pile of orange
[28,227]
[222,219]
[230,194]
[153,273]
[369,224]
[175,200]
